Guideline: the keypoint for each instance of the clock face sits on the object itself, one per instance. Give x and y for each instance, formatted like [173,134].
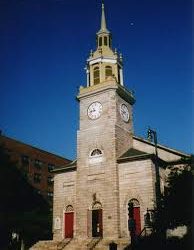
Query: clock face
[95,110]
[124,112]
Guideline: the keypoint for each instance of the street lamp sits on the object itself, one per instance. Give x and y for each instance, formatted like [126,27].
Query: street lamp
[152,137]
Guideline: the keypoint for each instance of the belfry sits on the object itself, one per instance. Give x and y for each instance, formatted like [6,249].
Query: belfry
[104,63]
[105,195]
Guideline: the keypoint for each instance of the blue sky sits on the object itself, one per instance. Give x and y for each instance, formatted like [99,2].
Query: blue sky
[43,50]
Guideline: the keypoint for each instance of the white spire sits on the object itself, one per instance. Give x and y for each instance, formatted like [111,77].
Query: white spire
[103,21]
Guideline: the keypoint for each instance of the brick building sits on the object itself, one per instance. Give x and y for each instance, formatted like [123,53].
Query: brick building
[35,164]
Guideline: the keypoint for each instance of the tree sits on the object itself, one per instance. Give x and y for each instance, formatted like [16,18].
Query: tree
[175,209]
[178,198]
[22,209]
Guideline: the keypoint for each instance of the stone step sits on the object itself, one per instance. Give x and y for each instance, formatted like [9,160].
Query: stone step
[43,245]
[63,244]
[104,244]
[79,244]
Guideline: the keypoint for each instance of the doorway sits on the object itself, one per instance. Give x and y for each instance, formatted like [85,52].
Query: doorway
[97,230]
[69,221]
[134,213]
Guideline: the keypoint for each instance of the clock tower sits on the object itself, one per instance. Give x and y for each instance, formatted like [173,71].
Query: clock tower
[105,133]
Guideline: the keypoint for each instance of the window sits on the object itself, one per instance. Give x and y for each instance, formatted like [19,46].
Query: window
[97,205]
[37,177]
[96,152]
[105,40]
[69,208]
[51,167]
[25,159]
[38,164]
[50,180]
[96,157]
[108,71]
[96,75]
[50,195]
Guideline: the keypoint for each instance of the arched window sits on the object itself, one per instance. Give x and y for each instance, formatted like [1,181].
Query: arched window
[69,208]
[96,152]
[96,157]
[134,202]
[108,71]
[97,205]
[96,75]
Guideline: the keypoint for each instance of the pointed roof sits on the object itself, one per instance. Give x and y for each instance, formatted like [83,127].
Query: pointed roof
[132,152]
[103,28]
[72,166]
[133,155]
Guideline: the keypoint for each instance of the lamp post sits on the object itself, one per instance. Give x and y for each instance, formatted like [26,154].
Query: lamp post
[152,136]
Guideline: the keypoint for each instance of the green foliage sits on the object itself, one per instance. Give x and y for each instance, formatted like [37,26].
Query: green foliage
[154,242]
[22,209]
[178,198]
[175,210]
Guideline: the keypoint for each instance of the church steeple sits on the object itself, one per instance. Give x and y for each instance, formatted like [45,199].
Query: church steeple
[103,21]
[104,64]
[103,35]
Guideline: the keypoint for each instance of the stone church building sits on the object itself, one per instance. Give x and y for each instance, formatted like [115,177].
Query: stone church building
[116,175]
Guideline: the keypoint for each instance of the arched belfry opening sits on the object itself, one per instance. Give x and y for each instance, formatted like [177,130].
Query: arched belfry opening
[134,218]
[108,71]
[96,75]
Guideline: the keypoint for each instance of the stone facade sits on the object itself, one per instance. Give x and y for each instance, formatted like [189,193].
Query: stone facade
[64,190]
[136,181]
[111,184]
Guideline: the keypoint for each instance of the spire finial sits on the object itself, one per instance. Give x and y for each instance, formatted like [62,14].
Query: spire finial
[103,20]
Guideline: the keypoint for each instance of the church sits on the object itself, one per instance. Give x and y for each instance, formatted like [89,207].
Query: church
[117,175]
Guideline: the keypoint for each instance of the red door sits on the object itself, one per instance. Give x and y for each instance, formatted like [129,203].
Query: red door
[69,225]
[136,217]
